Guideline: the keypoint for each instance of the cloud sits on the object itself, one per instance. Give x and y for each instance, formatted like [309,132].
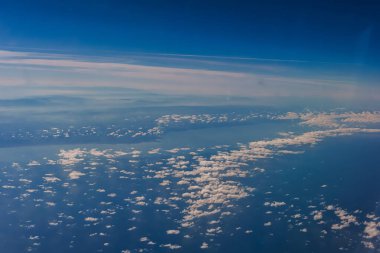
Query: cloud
[333,119]
[51,179]
[267,224]
[62,70]
[318,216]
[368,245]
[372,229]
[204,245]
[172,232]
[33,163]
[171,246]
[12,54]
[154,151]
[205,188]
[275,204]
[211,186]
[91,219]
[75,174]
[8,186]
[70,157]
[345,218]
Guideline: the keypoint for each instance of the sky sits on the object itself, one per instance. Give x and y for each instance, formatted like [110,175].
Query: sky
[235,48]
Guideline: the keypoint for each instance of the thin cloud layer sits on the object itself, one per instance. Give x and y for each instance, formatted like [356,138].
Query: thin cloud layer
[49,70]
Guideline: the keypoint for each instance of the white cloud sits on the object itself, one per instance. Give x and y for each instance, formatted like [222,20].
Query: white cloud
[51,179]
[318,216]
[171,246]
[91,219]
[333,119]
[372,229]
[172,232]
[345,219]
[275,204]
[71,157]
[154,151]
[62,70]
[144,239]
[33,163]
[75,174]
[8,186]
[368,245]
[204,245]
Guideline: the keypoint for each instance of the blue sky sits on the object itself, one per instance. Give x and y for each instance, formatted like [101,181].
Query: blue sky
[250,42]
[342,31]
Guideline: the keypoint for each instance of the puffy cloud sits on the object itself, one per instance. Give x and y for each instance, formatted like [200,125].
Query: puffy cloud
[275,204]
[74,156]
[172,232]
[171,246]
[318,216]
[165,183]
[71,157]
[75,174]
[333,119]
[364,117]
[33,163]
[8,186]
[372,229]
[211,184]
[154,151]
[51,179]
[91,219]
[345,219]
[53,223]
[368,245]
[289,115]
[204,245]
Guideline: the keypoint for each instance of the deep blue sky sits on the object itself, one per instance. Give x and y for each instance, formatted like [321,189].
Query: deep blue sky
[334,31]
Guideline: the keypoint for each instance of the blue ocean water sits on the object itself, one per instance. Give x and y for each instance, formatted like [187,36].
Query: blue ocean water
[348,166]
[99,200]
